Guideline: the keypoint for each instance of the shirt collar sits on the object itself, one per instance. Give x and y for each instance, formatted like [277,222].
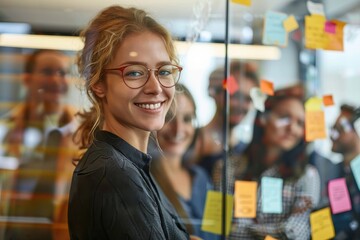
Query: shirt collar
[140,159]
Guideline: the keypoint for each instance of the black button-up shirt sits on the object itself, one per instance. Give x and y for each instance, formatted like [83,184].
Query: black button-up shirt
[113,196]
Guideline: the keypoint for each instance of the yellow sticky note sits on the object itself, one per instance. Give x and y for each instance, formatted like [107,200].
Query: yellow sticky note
[267,87]
[242,2]
[314,125]
[321,225]
[269,238]
[212,219]
[335,41]
[290,24]
[245,199]
[315,37]
[314,104]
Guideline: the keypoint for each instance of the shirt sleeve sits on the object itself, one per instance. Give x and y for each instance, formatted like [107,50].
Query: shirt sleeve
[296,226]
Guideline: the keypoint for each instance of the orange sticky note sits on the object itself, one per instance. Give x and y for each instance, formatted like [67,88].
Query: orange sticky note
[245,199]
[290,24]
[267,87]
[212,218]
[335,41]
[269,238]
[314,125]
[232,85]
[321,225]
[242,2]
[328,100]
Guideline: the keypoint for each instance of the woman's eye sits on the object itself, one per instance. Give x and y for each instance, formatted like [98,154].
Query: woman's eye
[134,74]
[188,119]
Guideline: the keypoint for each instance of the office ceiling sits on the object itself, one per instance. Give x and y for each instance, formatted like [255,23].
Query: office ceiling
[180,16]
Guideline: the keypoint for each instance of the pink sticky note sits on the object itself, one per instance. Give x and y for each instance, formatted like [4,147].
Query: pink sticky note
[339,196]
[330,27]
[232,85]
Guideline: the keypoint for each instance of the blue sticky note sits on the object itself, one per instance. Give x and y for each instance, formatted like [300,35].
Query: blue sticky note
[274,31]
[271,195]
[355,168]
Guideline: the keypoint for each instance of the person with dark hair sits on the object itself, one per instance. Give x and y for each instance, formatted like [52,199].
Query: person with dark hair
[40,138]
[183,183]
[209,142]
[345,139]
[277,150]
[130,69]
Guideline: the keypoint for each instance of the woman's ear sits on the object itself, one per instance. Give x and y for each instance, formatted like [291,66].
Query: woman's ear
[99,89]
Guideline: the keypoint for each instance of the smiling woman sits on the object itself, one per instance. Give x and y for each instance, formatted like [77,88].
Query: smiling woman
[113,195]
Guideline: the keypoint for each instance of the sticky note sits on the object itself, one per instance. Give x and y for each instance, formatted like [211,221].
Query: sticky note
[321,224]
[212,218]
[328,100]
[314,125]
[232,85]
[271,195]
[330,27]
[267,87]
[290,24]
[357,126]
[315,8]
[269,238]
[258,98]
[335,41]
[274,32]
[242,2]
[314,32]
[339,196]
[245,199]
[355,168]
[314,104]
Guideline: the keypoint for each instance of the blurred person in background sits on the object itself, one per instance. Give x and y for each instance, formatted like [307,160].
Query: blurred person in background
[183,183]
[277,150]
[346,141]
[209,143]
[40,138]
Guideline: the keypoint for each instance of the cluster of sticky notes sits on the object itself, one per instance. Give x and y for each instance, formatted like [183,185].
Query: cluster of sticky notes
[245,197]
[212,218]
[276,28]
[321,225]
[321,33]
[314,119]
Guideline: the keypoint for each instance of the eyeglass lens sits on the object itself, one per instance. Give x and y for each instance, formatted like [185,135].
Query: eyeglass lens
[136,76]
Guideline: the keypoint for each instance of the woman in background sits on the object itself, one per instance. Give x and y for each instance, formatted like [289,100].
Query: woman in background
[277,150]
[184,185]
[129,64]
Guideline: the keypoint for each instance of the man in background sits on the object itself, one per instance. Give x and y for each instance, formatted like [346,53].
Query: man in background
[40,138]
[346,141]
[209,142]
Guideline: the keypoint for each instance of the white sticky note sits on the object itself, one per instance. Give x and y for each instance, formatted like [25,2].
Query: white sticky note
[355,168]
[315,8]
[271,195]
[258,98]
